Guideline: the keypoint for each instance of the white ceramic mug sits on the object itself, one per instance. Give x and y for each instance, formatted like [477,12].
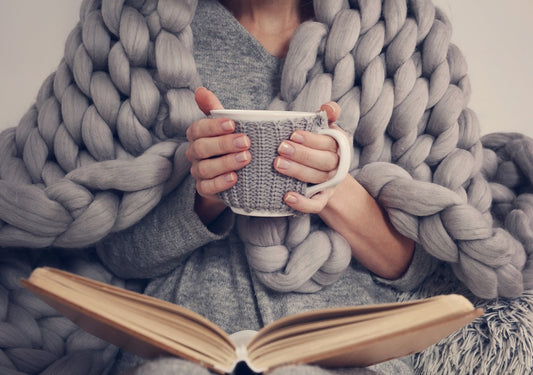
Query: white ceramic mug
[260,189]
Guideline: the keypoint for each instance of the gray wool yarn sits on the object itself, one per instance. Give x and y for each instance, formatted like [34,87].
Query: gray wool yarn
[35,338]
[105,139]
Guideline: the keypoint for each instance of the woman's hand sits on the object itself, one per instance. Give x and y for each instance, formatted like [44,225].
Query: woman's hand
[215,153]
[347,208]
[311,158]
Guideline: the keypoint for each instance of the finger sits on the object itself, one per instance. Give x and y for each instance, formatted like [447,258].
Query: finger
[211,168]
[209,147]
[206,100]
[332,109]
[314,141]
[300,172]
[216,185]
[310,157]
[208,127]
[313,205]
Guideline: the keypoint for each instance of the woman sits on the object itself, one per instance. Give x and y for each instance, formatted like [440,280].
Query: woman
[190,246]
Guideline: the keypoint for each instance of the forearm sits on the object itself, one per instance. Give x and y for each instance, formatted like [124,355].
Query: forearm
[375,243]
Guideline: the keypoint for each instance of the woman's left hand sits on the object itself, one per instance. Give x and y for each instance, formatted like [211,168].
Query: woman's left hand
[311,158]
[347,208]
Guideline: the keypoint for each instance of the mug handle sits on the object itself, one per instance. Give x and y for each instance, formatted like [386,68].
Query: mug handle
[345,160]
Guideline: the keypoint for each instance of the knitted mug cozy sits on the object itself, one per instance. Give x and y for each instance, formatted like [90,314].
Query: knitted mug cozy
[259,186]
[106,139]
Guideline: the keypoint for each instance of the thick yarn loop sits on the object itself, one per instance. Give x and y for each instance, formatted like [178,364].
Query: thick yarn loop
[450,229]
[288,255]
[508,170]
[34,338]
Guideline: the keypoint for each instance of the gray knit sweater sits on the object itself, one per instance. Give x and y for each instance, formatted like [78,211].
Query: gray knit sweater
[204,268]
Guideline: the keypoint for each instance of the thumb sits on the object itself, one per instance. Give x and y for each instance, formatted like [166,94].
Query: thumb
[206,100]
[333,110]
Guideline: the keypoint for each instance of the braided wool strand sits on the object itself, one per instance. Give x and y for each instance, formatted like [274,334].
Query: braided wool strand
[35,338]
[105,139]
[81,140]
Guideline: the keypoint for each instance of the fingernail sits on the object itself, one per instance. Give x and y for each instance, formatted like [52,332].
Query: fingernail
[285,148]
[242,157]
[199,88]
[227,126]
[241,142]
[331,107]
[290,198]
[282,163]
[297,137]
[230,177]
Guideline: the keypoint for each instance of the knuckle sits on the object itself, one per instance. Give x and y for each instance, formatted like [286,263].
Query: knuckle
[219,185]
[202,170]
[223,144]
[191,132]
[333,162]
[193,172]
[198,150]
[226,163]
[200,187]
[318,204]
[204,187]
[306,155]
[188,154]
[331,174]
[332,145]
[321,176]
[324,176]
[310,207]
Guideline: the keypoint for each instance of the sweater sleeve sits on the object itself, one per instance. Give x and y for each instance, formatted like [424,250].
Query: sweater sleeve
[421,266]
[163,238]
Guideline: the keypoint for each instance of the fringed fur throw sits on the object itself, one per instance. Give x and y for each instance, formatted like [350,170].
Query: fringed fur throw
[105,142]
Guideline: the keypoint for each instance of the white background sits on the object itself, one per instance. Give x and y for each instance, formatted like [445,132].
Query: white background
[495,36]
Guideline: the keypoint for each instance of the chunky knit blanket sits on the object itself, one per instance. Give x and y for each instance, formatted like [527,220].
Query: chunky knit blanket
[105,142]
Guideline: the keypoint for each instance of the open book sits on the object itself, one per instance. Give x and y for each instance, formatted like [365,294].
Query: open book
[337,337]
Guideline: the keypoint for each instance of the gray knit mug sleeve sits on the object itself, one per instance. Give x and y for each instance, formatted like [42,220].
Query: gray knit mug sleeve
[260,189]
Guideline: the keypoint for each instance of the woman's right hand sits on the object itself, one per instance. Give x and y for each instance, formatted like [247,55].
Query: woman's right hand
[215,153]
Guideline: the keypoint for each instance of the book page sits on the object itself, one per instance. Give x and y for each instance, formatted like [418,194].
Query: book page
[241,340]
[398,344]
[327,316]
[348,338]
[321,320]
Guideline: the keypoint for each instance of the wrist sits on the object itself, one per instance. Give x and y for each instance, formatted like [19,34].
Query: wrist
[208,209]
[348,192]
[375,243]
